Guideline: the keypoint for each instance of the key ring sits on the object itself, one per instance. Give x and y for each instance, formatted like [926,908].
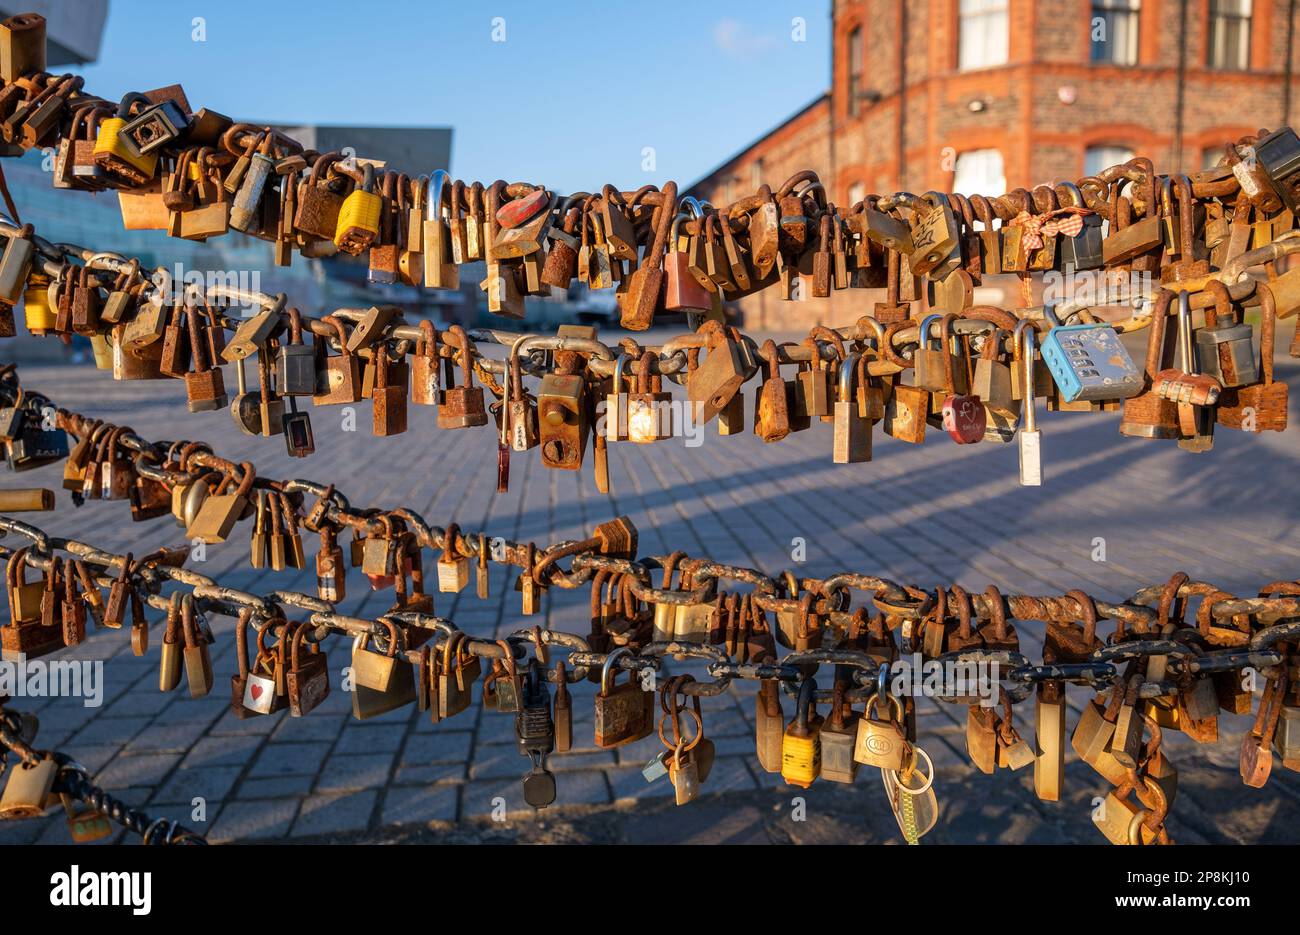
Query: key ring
[893,775]
[699,731]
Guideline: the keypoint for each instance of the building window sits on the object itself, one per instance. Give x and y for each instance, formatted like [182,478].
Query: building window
[857,191]
[980,172]
[1229,44]
[1114,30]
[855,71]
[1211,156]
[1096,158]
[756,173]
[982,41]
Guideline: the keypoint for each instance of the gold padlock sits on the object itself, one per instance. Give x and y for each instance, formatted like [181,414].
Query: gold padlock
[28,789]
[881,743]
[198,661]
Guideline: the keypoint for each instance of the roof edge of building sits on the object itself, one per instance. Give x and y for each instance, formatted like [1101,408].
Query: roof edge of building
[820,99]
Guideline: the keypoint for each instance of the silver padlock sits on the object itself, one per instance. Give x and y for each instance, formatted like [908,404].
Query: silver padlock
[1286,740]
[1227,353]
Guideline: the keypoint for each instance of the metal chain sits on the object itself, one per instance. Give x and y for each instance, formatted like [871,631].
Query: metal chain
[289,157]
[73,780]
[147,577]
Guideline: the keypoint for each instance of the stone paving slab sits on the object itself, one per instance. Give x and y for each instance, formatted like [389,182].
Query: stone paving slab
[919,514]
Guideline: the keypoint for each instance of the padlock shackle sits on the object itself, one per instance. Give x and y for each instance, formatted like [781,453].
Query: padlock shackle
[1022,340]
[1186,354]
[607,668]
[923,332]
[807,698]
[620,369]
[435,183]
[847,371]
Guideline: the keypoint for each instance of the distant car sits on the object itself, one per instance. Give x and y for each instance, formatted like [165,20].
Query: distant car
[592,306]
[599,307]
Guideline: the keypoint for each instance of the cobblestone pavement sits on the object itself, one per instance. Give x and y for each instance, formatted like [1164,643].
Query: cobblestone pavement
[921,515]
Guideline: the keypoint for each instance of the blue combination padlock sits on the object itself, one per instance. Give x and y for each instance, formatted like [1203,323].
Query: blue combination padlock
[1088,361]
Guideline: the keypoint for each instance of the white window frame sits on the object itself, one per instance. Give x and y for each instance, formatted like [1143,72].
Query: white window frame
[983,34]
[980,172]
[1216,42]
[1121,21]
[1103,155]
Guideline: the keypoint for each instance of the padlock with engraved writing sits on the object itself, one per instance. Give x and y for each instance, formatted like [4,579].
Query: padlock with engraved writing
[936,242]
[881,742]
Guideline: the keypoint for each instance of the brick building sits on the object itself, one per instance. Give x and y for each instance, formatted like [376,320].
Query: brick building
[986,95]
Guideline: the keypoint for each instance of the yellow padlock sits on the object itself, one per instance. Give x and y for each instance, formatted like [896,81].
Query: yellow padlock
[111,152]
[102,350]
[38,313]
[358,224]
[801,746]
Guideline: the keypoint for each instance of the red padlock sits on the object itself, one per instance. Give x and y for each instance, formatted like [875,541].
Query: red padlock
[519,210]
[964,418]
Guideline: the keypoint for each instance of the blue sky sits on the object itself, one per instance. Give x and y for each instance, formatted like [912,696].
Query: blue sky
[571,98]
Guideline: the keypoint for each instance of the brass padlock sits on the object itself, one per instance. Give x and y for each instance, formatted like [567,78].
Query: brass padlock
[562,423]
[649,412]
[173,646]
[624,712]
[882,743]
[936,242]
[369,702]
[459,670]
[197,659]
[222,508]
[453,567]
[28,788]
[712,385]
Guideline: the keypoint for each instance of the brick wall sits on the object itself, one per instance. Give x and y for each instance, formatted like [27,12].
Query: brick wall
[1023,111]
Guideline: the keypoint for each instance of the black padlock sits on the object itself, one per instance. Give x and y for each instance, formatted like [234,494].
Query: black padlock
[535,733]
[1278,154]
[298,437]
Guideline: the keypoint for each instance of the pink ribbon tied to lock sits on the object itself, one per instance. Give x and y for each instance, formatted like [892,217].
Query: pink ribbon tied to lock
[1067,221]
